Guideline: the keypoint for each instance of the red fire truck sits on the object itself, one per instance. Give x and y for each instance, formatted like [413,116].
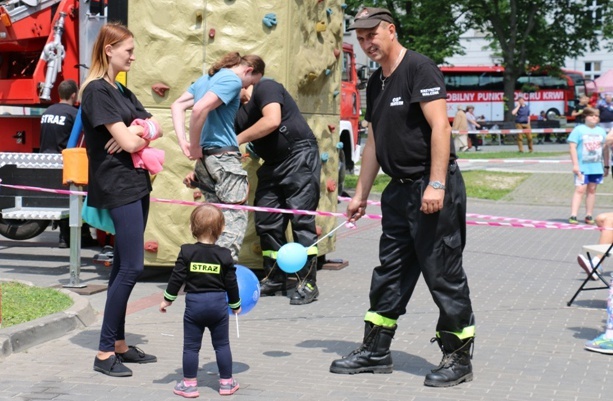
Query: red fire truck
[40,44]
[350,109]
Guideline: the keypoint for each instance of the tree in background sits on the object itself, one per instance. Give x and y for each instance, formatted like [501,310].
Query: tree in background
[524,33]
[430,27]
[537,33]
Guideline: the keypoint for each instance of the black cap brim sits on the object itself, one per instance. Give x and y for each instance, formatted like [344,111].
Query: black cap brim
[364,24]
[371,17]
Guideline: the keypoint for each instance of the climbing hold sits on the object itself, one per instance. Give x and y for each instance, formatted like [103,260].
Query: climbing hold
[336,93]
[329,11]
[321,26]
[160,89]
[324,156]
[331,127]
[270,20]
[328,71]
[337,52]
[331,185]
[340,145]
[212,33]
[151,246]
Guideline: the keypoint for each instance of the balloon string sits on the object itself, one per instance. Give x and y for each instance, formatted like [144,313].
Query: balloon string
[237,333]
[329,234]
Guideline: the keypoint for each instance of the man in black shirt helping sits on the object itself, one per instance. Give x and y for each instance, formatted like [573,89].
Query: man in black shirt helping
[423,207]
[289,179]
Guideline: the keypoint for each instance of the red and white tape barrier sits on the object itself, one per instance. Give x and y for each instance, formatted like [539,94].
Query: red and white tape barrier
[497,221]
[515,161]
[515,131]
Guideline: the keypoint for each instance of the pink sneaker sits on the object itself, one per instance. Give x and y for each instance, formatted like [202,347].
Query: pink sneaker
[228,386]
[186,391]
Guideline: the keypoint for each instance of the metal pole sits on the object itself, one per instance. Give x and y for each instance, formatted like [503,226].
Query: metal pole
[75,238]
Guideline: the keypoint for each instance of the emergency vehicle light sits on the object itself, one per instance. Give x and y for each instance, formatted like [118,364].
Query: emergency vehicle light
[5,18]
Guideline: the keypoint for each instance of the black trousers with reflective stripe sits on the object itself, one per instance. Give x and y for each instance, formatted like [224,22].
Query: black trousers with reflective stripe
[413,243]
[290,184]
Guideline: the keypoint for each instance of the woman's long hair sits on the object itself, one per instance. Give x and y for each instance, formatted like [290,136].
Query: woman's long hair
[234,58]
[110,34]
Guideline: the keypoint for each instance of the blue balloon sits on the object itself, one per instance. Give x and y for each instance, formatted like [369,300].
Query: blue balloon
[292,257]
[248,289]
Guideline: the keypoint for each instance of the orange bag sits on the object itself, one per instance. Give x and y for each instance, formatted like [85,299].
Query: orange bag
[75,166]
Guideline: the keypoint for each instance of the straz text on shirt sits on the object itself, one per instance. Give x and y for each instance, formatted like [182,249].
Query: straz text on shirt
[204,268]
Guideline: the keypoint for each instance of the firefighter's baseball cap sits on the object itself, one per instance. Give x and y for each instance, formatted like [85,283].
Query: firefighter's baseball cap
[370,17]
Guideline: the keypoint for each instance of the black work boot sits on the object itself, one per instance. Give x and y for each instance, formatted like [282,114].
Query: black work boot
[305,293]
[275,281]
[372,356]
[455,367]
[307,290]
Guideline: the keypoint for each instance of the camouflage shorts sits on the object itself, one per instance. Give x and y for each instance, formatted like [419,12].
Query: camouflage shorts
[223,180]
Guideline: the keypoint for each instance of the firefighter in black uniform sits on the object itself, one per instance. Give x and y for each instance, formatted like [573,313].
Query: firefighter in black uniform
[289,178]
[423,207]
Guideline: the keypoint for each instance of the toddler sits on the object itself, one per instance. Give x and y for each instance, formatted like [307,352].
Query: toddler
[208,272]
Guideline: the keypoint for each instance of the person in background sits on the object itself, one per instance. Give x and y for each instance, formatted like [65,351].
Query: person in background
[603,221]
[540,138]
[57,121]
[522,121]
[605,106]
[460,123]
[108,111]
[214,99]
[423,206]
[590,158]
[55,127]
[578,111]
[209,275]
[473,125]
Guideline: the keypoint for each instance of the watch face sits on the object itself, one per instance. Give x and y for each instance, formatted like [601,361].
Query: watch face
[437,185]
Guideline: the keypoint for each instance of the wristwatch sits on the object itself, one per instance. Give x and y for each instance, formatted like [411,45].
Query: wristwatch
[436,185]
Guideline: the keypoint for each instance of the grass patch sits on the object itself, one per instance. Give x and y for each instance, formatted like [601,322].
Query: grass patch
[508,155]
[351,181]
[480,184]
[493,185]
[22,303]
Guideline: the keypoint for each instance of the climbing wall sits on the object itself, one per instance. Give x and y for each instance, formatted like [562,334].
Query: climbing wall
[177,41]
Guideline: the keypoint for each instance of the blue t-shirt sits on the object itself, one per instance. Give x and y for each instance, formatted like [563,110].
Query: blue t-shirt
[218,130]
[523,114]
[590,143]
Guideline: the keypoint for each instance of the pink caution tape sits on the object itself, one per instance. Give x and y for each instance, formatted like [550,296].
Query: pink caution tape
[497,221]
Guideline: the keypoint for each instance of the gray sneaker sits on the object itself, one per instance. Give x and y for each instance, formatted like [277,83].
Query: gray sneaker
[186,391]
[228,386]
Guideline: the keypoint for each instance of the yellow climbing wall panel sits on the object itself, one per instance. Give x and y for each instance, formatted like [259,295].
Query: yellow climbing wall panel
[178,40]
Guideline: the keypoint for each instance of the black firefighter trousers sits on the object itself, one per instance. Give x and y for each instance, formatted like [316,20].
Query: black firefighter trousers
[291,184]
[413,243]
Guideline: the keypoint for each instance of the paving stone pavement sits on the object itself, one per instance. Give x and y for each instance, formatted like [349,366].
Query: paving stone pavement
[529,344]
